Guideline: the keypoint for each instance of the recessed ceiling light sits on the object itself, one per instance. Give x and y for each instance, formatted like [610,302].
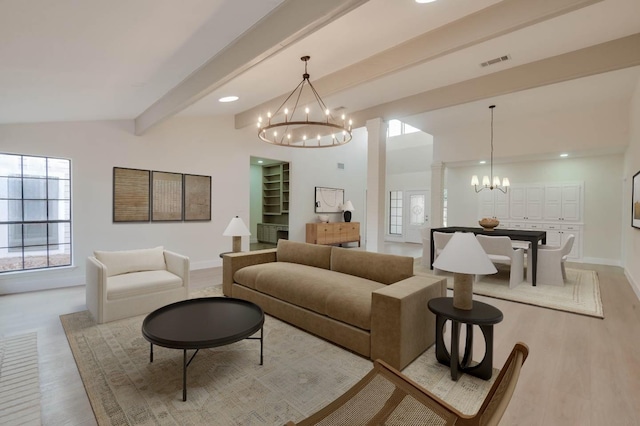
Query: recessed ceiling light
[483,162]
[564,155]
[228,99]
[260,161]
[425,1]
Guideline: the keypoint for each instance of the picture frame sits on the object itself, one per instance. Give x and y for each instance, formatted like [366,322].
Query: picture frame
[131,195]
[635,201]
[166,197]
[197,198]
[328,200]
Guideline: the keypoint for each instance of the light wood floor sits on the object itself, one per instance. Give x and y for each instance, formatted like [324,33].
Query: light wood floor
[581,371]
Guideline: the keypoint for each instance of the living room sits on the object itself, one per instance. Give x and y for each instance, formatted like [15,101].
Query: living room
[600,130]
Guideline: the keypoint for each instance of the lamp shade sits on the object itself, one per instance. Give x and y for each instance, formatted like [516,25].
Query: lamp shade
[463,254]
[348,206]
[236,228]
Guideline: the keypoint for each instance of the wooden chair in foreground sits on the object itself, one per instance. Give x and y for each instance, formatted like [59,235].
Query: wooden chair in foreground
[387,397]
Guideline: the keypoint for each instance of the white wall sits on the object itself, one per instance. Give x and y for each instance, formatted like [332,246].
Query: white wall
[602,177]
[631,235]
[319,167]
[590,128]
[196,145]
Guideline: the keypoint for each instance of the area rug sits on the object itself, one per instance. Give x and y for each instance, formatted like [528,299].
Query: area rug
[226,385]
[19,380]
[579,295]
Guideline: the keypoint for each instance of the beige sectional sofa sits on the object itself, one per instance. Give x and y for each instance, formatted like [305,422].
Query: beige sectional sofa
[369,303]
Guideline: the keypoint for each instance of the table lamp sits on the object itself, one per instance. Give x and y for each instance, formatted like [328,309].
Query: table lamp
[464,256]
[347,208]
[236,229]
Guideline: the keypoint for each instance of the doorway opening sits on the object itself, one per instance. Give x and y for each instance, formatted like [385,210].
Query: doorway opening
[408,182]
[269,202]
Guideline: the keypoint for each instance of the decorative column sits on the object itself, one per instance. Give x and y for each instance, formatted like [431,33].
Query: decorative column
[376,178]
[437,194]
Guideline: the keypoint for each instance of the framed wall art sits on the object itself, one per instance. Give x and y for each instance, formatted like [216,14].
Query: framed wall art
[197,197]
[635,201]
[131,195]
[329,200]
[166,201]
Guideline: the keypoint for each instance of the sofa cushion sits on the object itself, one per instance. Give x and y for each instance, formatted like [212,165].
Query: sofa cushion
[304,254]
[343,297]
[134,284]
[125,261]
[383,268]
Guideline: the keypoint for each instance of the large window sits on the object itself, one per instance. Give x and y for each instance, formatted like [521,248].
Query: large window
[395,213]
[35,212]
[397,128]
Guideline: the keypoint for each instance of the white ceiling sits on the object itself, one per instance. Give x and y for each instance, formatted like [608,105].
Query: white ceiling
[113,59]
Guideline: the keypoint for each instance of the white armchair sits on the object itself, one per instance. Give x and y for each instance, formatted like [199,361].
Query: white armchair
[550,269]
[122,284]
[499,250]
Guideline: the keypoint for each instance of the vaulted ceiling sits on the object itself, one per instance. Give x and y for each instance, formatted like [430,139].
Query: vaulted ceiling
[150,59]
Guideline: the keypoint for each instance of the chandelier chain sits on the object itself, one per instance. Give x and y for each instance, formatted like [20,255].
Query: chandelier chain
[491,184]
[491,181]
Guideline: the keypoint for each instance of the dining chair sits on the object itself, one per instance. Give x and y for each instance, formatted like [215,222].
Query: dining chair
[500,250]
[551,260]
[440,240]
[385,396]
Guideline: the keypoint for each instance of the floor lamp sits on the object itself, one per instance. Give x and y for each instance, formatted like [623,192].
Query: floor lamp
[236,229]
[464,256]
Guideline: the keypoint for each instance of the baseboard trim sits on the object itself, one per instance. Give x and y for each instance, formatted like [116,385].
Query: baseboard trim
[634,284]
[205,264]
[597,261]
[45,283]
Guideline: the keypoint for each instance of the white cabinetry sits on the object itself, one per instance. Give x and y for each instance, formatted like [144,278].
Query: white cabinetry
[552,207]
[562,202]
[494,204]
[557,235]
[525,202]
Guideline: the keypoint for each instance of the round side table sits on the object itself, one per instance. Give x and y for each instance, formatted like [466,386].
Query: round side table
[482,315]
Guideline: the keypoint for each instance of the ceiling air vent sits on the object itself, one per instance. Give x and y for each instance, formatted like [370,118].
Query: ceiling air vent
[496,60]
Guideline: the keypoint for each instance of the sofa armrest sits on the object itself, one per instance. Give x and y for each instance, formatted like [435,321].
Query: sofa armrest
[402,327]
[231,262]
[178,265]
[96,287]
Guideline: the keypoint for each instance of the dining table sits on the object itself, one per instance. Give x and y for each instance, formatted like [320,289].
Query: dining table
[533,237]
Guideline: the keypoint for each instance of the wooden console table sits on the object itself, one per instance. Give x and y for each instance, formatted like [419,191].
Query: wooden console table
[333,233]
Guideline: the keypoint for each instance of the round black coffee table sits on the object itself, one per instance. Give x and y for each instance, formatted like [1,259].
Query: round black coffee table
[202,323]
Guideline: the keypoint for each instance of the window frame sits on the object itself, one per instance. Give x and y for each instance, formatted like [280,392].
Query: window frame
[53,246]
[397,214]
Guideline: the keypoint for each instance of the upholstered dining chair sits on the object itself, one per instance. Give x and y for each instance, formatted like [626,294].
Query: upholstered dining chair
[500,250]
[550,269]
[440,240]
[387,397]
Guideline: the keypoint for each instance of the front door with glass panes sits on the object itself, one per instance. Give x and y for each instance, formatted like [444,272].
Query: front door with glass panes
[417,205]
